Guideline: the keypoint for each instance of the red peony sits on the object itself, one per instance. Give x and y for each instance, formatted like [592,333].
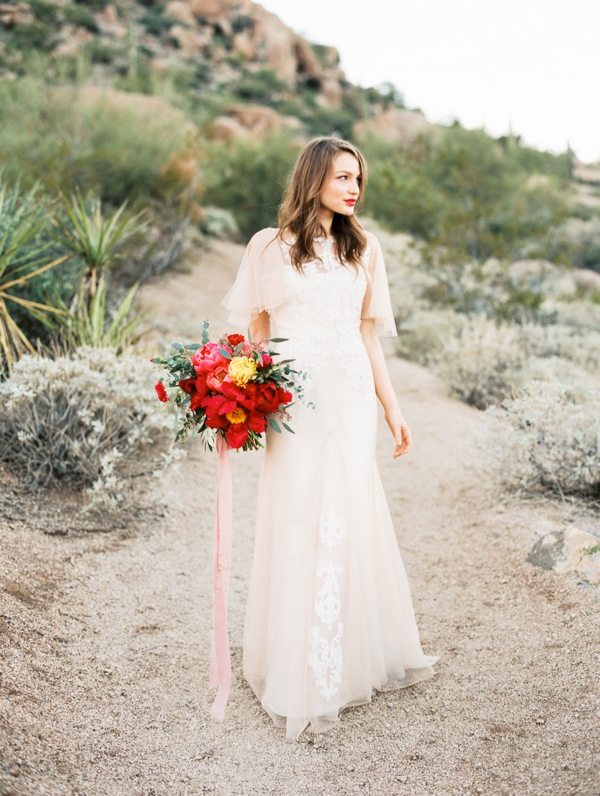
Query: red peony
[209,358]
[236,339]
[161,392]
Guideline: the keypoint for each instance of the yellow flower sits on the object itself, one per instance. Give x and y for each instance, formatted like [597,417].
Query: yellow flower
[237,416]
[242,370]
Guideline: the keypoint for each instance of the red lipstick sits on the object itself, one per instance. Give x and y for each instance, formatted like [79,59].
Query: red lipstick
[350,202]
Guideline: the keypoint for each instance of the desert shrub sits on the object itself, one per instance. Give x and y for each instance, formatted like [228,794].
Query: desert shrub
[50,136]
[79,15]
[218,223]
[484,363]
[577,242]
[259,86]
[156,21]
[44,12]
[424,334]
[90,421]
[545,440]
[579,346]
[248,178]
[463,190]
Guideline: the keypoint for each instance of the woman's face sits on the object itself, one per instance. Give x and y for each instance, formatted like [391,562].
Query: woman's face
[342,187]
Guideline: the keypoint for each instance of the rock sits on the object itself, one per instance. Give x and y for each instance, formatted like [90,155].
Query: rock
[13,15]
[189,41]
[181,11]
[254,120]
[569,550]
[307,61]
[211,10]
[275,44]
[109,24]
[396,125]
[587,280]
[75,38]
[243,44]
[330,95]
[223,128]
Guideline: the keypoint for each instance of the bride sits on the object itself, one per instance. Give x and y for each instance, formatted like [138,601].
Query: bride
[329,616]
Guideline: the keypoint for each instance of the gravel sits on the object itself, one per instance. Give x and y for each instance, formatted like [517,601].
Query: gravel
[105,636]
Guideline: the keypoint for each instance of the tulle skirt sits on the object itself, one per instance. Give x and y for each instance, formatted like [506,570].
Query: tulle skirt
[329,617]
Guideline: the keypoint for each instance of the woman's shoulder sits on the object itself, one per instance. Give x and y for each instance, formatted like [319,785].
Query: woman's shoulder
[372,240]
[264,236]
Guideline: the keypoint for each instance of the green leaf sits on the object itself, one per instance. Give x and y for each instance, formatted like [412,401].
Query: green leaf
[287,428]
[224,353]
[177,347]
[274,425]
[279,339]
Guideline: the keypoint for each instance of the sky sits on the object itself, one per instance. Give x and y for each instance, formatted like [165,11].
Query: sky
[532,66]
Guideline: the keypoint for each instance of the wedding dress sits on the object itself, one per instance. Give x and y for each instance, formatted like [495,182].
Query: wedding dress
[329,616]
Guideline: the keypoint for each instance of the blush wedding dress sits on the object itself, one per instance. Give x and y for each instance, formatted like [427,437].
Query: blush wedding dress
[329,616]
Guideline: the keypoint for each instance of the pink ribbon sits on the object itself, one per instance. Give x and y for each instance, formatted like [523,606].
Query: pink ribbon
[220,659]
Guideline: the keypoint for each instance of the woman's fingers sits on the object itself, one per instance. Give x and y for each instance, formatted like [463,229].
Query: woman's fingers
[403,442]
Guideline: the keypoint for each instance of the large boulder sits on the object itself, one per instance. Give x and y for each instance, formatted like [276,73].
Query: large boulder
[14,14]
[275,44]
[181,11]
[569,551]
[251,120]
[189,41]
[396,125]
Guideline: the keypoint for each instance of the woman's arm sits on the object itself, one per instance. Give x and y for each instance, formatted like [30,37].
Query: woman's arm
[260,328]
[383,388]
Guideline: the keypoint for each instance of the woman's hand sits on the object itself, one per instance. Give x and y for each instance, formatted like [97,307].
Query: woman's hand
[401,433]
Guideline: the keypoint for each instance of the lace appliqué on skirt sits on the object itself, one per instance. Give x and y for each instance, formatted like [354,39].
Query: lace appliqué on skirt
[325,657]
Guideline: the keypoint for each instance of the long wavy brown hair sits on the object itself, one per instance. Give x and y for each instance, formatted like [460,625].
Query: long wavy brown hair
[299,211]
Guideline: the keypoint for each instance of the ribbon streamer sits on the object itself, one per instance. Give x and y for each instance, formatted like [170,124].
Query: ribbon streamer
[220,659]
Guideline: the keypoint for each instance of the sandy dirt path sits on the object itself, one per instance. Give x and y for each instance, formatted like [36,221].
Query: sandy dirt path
[105,660]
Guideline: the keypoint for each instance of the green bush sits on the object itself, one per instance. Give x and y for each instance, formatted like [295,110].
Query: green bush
[79,15]
[248,178]
[48,135]
[463,190]
[46,13]
[35,36]
[259,86]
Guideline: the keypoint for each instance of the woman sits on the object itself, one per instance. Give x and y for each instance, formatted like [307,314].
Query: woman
[329,614]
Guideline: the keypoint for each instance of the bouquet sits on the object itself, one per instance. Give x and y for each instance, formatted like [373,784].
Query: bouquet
[232,388]
[227,392]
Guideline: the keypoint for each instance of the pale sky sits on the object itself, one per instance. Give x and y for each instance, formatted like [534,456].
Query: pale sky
[533,65]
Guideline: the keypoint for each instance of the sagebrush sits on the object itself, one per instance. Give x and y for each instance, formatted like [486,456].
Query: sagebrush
[547,440]
[90,420]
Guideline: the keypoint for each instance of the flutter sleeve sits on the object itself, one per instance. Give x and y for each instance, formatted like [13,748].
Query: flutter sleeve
[259,284]
[377,304]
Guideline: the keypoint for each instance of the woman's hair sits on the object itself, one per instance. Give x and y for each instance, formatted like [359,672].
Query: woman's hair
[298,213]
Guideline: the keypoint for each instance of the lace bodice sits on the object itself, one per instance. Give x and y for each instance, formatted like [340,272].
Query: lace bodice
[322,314]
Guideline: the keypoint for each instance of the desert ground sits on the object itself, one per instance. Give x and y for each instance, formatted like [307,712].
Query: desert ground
[105,628]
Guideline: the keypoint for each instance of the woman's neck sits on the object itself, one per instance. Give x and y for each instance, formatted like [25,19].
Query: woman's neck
[326,219]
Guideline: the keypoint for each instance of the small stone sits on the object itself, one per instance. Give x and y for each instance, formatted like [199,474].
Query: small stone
[14,771]
[402,778]
[540,721]
[351,768]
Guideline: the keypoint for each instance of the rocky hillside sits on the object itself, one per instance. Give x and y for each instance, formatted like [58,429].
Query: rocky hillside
[220,54]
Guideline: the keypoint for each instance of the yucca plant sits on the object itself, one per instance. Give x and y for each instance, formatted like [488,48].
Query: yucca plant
[89,322]
[22,258]
[87,232]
